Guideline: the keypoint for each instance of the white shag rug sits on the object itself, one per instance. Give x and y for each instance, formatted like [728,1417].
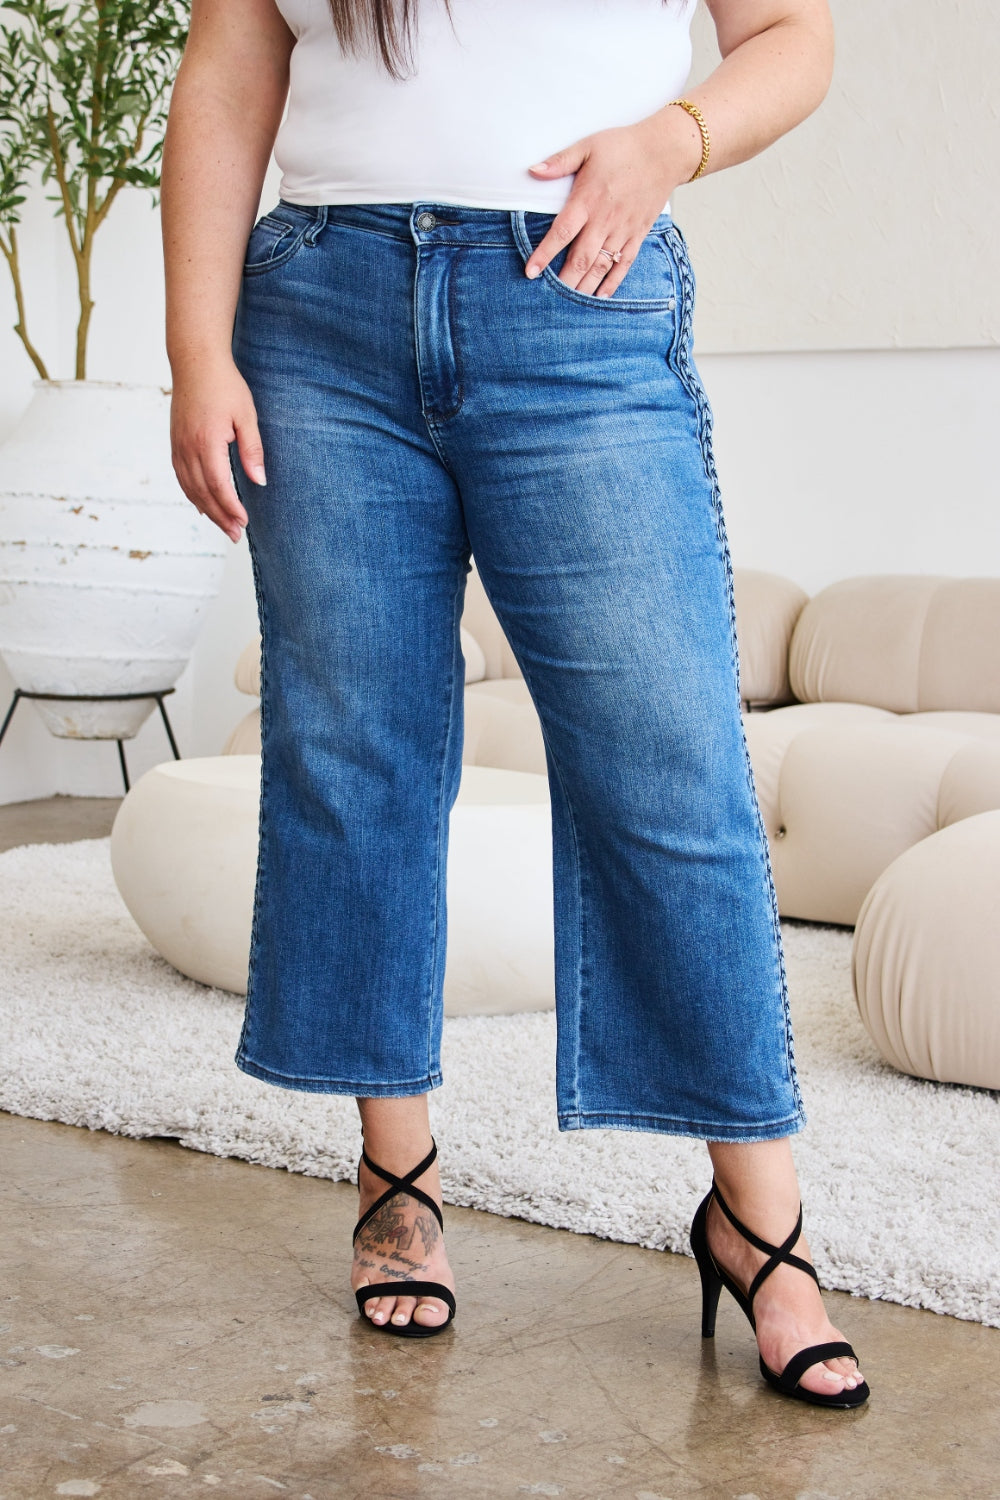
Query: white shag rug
[898,1175]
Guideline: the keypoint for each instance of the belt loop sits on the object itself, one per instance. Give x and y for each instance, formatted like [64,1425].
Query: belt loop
[316,229]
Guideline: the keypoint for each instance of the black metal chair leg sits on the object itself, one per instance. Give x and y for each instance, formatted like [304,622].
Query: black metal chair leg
[121,757]
[10,712]
[166,725]
[20,693]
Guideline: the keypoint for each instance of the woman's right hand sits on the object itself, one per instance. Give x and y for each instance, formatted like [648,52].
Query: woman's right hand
[211,408]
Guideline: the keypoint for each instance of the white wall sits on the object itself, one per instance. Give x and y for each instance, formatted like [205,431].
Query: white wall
[873,224]
[846,330]
[876,462]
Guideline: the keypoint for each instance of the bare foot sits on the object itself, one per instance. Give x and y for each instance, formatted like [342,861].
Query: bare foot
[788,1308]
[401,1242]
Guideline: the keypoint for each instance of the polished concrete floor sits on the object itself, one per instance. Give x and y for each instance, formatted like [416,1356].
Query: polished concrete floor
[173,1325]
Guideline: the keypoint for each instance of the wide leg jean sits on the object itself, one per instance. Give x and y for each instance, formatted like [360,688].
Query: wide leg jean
[422,401]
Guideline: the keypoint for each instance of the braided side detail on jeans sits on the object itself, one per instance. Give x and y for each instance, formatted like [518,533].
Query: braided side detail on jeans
[262,820]
[681,360]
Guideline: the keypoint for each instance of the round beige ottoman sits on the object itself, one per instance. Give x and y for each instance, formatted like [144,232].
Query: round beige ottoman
[926,956]
[184,857]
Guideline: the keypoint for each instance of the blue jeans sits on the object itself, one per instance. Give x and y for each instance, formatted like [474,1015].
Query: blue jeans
[420,401]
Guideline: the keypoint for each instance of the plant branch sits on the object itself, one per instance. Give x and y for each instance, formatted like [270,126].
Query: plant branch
[20,327]
[83,84]
[90,221]
[114,189]
[59,165]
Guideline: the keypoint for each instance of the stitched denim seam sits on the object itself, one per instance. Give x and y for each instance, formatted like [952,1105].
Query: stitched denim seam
[428,416]
[431,414]
[316,228]
[680,355]
[241,1050]
[307,210]
[275,223]
[582,968]
[582,973]
[383,234]
[260,267]
[326,215]
[453,325]
[441,862]
[360,1088]
[678,1125]
[437,438]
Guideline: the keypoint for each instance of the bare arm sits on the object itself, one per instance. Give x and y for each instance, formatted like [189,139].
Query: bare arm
[224,114]
[777,63]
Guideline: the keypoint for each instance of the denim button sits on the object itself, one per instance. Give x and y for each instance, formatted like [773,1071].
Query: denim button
[426,221]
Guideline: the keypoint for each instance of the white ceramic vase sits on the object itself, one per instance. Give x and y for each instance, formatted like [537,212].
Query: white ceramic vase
[106,569]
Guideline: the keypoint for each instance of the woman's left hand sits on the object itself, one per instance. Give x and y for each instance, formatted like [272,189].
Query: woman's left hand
[624,176]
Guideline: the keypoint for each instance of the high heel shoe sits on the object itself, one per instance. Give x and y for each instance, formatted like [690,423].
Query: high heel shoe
[714,1278]
[365,1294]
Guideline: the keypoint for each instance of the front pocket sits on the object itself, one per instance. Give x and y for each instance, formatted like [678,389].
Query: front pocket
[647,286]
[272,242]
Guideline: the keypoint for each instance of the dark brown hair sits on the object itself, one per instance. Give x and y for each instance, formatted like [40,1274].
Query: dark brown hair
[386,24]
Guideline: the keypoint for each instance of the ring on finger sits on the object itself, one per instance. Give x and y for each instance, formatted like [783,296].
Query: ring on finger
[613,255]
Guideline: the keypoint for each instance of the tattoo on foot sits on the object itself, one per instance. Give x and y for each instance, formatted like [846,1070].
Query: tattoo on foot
[389,1227]
[381,1244]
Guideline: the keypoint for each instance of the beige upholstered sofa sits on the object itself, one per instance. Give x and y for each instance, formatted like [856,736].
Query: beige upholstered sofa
[872,718]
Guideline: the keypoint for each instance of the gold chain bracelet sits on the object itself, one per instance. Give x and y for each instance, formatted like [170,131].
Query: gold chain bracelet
[699,120]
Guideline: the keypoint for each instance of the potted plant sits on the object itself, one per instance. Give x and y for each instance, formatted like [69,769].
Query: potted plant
[105,568]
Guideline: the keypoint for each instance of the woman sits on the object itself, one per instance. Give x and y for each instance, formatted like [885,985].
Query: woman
[444,342]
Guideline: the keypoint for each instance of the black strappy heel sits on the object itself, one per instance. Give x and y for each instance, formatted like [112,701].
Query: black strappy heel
[365,1294]
[714,1278]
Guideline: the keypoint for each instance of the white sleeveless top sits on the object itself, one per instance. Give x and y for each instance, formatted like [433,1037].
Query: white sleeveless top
[510,82]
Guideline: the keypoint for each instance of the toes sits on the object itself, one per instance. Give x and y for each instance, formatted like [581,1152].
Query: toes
[380,1309]
[832,1377]
[400,1310]
[822,1381]
[430,1314]
[847,1370]
[403,1309]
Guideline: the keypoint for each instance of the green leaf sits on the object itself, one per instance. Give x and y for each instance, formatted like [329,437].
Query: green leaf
[84,89]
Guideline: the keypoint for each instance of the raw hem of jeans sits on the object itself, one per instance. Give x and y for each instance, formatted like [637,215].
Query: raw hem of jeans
[357,1090]
[768,1130]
